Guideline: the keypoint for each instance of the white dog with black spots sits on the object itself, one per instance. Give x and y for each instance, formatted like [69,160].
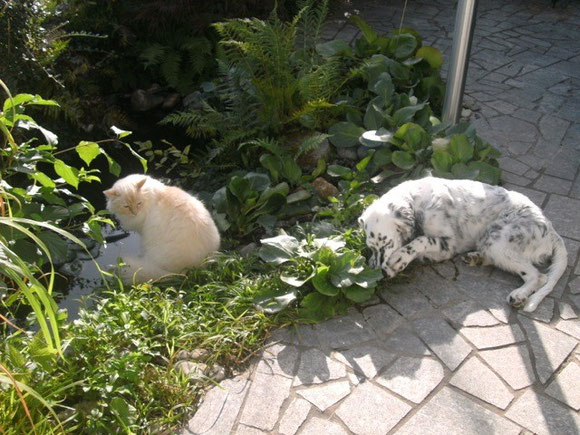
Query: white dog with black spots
[436,219]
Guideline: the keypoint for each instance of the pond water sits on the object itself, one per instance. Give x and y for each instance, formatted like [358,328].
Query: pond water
[82,275]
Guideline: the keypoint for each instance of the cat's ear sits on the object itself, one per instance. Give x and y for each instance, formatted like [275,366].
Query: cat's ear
[141,183]
[110,193]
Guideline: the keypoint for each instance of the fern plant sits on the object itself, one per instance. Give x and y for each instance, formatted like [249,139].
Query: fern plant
[181,62]
[271,79]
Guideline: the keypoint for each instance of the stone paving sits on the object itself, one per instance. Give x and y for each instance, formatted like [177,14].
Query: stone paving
[445,353]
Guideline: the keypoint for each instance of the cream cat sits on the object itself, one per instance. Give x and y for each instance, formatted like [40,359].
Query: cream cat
[176,229]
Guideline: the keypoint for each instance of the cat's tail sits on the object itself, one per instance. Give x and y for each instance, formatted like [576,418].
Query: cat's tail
[555,272]
[138,270]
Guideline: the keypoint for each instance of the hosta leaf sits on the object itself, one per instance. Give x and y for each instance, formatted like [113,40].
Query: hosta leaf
[294,280]
[441,161]
[275,304]
[402,46]
[431,55]
[345,134]
[487,173]
[462,171]
[279,249]
[383,86]
[460,148]
[338,171]
[321,282]
[406,114]
[403,160]
[368,32]
[358,294]
[334,47]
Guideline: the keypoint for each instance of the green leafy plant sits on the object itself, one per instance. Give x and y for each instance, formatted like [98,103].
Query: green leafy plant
[354,188]
[247,202]
[324,271]
[271,80]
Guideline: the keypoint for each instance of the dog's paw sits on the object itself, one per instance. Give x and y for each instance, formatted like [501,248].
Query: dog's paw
[517,299]
[473,258]
[396,263]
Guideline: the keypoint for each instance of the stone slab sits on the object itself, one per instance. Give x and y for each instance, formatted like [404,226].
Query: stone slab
[543,313]
[367,359]
[542,415]
[406,342]
[567,311]
[470,313]
[294,416]
[370,410]
[278,359]
[452,413]
[443,340]
[564,212]
[265,398]
[475,378]
[494,336]
[326,395]
[382,319]
[219,410]
[318,426]
[550,347]
[513,364]
[316,367]
[412,378]
[566,386]
[345,331]
[570,327]
[408,301]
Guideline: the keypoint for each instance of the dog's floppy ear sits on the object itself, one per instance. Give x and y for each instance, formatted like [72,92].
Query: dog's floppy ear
[405,221]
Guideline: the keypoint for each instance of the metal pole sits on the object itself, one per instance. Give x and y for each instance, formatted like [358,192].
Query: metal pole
[462,36]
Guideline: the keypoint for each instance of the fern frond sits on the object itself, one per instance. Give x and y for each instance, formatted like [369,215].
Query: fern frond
[152,55]
[310,144]
[171,67]
[269,144]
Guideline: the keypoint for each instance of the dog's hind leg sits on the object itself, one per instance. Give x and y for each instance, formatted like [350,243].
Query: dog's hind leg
[513,261]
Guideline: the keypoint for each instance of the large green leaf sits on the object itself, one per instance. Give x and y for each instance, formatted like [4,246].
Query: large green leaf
[441,161]
[368,32]
[487,173]
[279,249]
[321,282]
[402,46]
[368,278]
[358,294]
[258,182]
[406,114]
[88,151]
[383,87]
[462,171]
[275,304]
[403,160]
[431,55]
[345,134]
[68,173]
[338,171]
[460,148]
[334,47]
[240,188]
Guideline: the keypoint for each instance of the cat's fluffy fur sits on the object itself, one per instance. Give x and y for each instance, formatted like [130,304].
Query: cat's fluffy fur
[436,219]
[176,229]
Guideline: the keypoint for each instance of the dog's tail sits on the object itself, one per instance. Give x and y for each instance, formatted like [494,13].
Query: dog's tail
[555,272]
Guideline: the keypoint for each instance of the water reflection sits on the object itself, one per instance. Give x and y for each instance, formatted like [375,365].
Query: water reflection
[83,275]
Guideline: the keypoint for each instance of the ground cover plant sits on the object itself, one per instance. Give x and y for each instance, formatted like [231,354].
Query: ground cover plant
[295,136]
